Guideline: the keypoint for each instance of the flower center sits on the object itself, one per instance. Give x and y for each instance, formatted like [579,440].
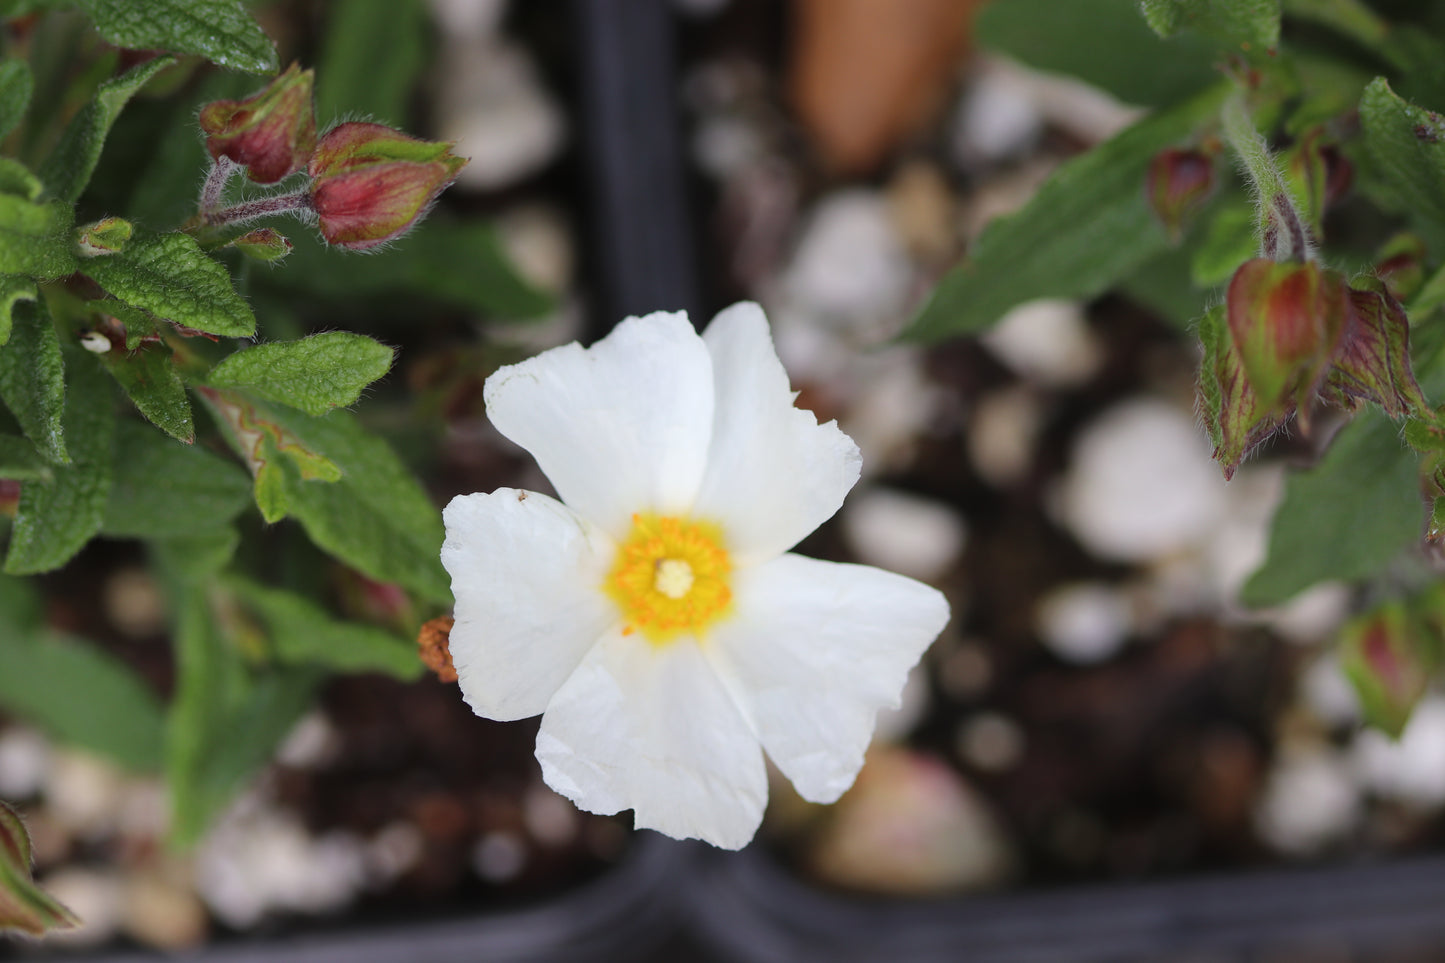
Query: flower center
[670,577]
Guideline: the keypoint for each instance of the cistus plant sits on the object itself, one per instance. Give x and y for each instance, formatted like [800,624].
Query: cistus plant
[1283,199]
[157,388]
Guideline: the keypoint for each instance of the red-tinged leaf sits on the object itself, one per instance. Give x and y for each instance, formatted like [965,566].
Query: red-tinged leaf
[24,907]
[1373,359]
[1236,421]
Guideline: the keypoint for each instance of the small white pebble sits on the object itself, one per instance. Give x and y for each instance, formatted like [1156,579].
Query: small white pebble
[476,18]
[143,810]
[1310,800]
[393,852]
[538,240]
[1142,484]
[159,913]
[990,742]
[1328,693]
[24,762]
[83,792]
[1312,615]
[550,819]
[966,672]
[1047,341]
[1412,769]
[1002,434]
[850,266]
[1084,623]
[499,856]
[311,744]
[904,533]
[95,342]
[133,602]
[94,896]
[996,119]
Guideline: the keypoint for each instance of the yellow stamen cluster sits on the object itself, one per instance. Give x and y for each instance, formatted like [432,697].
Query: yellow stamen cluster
[670,577]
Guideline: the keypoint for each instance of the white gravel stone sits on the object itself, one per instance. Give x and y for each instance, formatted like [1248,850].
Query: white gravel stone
[889,405]
[499,856]
[850,267]
[991,742]
[1048,342]
[469,18]
[1328,693]
[1002,434]
[133,602]
[1084,623]
[393,852]
[1142,484]
[1412,769]
[95,896]
[550,819]
[24,762]
[539,243]
[904,533]
[311,743]
[997,117]
[1310,800]
[493,106]
[83,792]
[1313,615]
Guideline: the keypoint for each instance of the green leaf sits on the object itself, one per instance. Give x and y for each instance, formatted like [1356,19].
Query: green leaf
[16,85]
[314,374]
[303,632]
[372,54]
[377,518]
[56,518]
[24,907]
[12,290]
[194,558]
[35,237]
[172,278]
[68,168]
[1344,518]
[151,382]
[1102,42]
[219,30]
[163,490]
[225,720]
[1089,226]
[20,461]
[32,379]
[1228,242]
[462,264]
[72,689]
[16,179]
[1249,23]
[1406,148]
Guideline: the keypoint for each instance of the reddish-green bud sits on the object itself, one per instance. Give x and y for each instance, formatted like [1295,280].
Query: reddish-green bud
[107,236]
[1179,183]
[263,244]
[1372,362]
[1389,662]
[1400,263]
[24,907]
[272,133]
[371,183]
[1286,320]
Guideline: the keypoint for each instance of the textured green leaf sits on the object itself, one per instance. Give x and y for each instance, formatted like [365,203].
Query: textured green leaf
[138,324]
[20,461]
[16,85]
[1228,242]
[57,518]
[219,30]
[377,518]
[372,54]
[225,720]
[35,237]
[195,558]
[1089,226]
[172,278]
[16,179]
[1344,518]
[303,632]
[1251,23]
[32,379]
[24,907]
[456,263]
[68,168]
[13,289]
[73,690]
[314,374]
[150,380]
[163,490]
[1103,42]
[1406,148]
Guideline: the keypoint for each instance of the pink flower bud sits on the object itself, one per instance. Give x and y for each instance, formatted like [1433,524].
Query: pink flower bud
[271,133]
[1179,183]
[371,183]
[263,244]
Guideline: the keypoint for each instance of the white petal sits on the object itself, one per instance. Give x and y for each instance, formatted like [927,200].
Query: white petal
[773,474]
[814,650]
[651,728]
[620,427]
[526,572]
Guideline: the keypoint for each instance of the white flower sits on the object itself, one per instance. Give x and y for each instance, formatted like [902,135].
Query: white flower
[652,614]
